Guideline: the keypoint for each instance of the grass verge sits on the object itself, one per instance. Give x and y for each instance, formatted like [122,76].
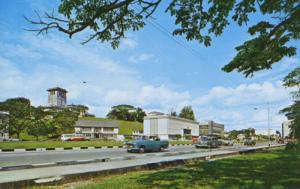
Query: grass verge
[274,169]
[57,144]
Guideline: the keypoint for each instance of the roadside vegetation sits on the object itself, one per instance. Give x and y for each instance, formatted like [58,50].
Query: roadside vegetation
[273,169]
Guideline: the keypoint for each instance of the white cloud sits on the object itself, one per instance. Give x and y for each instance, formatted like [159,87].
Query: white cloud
[149,96]
[128,43]
[141,58]
[245,94]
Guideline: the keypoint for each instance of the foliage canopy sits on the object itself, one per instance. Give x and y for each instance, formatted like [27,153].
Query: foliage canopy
[109,20]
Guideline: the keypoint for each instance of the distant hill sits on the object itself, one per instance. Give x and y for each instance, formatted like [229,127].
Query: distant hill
[126,127]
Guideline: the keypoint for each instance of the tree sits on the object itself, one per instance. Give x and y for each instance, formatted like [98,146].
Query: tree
[173,113]
[127,113]
[62,122]
[293,111]
[39,125]
[20,114]
[187,113]
[109,20]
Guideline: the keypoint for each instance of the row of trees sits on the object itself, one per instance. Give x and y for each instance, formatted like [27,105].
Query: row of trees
[131,113]
[186,112]
[247,132]
[127,113]
[37,121]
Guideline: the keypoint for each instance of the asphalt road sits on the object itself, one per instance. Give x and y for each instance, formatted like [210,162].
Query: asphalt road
[21,158]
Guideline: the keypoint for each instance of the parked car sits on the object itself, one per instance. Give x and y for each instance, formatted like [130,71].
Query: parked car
[142,146]
[280,141]
[207,142]
[249,142]
[226,142]
[73,137]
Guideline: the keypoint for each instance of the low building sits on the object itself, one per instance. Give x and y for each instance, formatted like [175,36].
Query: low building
[97,129]
[4,119]
[286,130]
[211,128]
[168,127]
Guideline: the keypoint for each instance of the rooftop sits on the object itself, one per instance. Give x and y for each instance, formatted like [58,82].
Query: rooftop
[91,123]
[57,89]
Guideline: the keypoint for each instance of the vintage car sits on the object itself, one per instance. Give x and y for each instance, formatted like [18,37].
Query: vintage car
[249,142]
[73,137]
[142,146]
[224,142]
[207,142]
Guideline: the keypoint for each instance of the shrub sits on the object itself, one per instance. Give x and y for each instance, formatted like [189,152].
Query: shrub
[293,146]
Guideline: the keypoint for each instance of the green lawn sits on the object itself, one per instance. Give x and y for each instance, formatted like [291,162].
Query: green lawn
[277,169]
[57,144]
[126,127]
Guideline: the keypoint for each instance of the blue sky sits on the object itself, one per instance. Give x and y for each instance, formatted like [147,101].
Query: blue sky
[150,70]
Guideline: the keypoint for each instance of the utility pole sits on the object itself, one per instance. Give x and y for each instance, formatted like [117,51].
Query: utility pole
[269,124]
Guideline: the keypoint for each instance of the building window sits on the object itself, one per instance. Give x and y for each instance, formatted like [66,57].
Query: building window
[187,131]
[108,130]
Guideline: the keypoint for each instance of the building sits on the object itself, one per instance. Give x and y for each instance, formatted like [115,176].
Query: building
[170,127]
[97,129]
[211,128]
[57,97]
[4,119]
[286,131]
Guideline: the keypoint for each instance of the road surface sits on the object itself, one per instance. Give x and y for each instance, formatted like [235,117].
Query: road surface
[39,157]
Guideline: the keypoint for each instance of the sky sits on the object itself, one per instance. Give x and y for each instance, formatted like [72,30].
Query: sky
[150,69]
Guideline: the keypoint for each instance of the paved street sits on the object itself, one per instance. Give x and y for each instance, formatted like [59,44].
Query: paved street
[21,158]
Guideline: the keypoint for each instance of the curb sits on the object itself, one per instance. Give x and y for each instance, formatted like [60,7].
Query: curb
[58,149]
[71,148]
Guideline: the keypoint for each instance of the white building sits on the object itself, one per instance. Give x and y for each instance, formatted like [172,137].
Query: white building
[286,129]
[170,127]
[211,128]
[97,129]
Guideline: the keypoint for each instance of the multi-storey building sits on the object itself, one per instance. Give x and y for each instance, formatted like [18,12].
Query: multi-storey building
[57,97]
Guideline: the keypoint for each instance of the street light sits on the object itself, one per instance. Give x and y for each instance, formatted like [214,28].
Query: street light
[268,110]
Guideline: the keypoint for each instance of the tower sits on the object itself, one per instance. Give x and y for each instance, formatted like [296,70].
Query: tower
[57,97]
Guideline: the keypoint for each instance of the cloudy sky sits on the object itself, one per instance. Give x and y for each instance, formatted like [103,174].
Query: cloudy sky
[150,69]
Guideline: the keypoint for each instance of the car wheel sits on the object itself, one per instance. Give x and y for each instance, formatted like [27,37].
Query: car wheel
[161,149]
[142,149]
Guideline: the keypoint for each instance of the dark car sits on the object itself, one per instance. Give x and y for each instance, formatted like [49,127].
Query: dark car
[249,142]
[142,146]
[207,142]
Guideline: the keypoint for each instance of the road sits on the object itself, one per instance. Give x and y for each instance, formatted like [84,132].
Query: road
[21,158]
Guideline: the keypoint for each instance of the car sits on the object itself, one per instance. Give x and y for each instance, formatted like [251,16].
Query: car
[142,146]
[72,137]
[225,142]
[280,141]
[249,142]
[207,142]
